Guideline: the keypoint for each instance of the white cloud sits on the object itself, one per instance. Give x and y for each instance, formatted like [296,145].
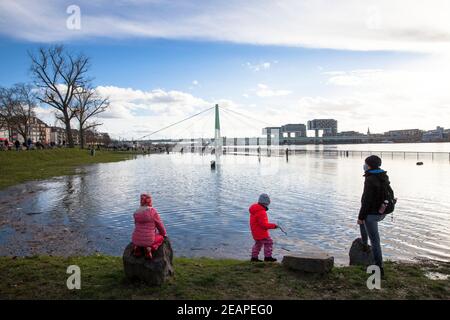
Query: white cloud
[419,26]
[259,66]
[127,102]
[135,113]
[46,114]
[354,77]
[411,95]
[264,91]
[414,96]
[43,111]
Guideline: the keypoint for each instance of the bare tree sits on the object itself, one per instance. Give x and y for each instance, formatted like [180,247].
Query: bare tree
[3,124]
[6,102]
[60,74]
[27,98]
[17,106]
[88,105]
[106,139]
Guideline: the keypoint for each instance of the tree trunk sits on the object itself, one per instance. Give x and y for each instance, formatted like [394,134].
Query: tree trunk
[68,130]
[81,138]
[23,133]
[27,132]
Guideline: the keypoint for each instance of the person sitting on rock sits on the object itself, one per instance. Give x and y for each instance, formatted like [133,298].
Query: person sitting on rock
[149,231]
[259,225]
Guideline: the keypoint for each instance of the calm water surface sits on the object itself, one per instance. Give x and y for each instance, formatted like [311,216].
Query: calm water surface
[401,147]
[314,198]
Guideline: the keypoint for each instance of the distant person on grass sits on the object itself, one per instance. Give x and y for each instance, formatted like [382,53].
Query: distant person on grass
[377,200]
[259,225]
[149,231]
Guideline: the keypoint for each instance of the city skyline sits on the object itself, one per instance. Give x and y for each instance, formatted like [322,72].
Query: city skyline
[380,68]
[327,130]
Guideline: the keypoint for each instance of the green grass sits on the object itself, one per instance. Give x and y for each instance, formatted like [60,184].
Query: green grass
[102,277]
[22,166]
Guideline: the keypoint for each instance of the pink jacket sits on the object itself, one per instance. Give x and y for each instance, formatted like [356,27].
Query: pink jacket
[146,222]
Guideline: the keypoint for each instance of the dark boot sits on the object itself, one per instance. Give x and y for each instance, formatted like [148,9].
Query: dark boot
[255,260]
[148,253]
[137,251]
[269,259]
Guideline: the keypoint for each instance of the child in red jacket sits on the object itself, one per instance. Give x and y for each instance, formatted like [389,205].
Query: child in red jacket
[259,224]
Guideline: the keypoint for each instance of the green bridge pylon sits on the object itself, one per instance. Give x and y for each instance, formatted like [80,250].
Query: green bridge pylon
[217,137]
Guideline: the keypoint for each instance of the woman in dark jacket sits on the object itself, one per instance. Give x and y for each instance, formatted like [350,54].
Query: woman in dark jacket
[372,199]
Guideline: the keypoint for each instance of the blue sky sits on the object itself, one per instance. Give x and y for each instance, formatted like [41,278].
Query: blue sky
[218,66]
[160,61]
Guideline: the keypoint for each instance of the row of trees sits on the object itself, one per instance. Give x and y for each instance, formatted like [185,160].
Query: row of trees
[61,81]
[17,106]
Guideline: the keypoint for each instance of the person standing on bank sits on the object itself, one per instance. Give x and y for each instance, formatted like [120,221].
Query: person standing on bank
[377,200]
[17,145]
[260,226]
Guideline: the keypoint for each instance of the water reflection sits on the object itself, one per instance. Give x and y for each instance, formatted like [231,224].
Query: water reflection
[314,198]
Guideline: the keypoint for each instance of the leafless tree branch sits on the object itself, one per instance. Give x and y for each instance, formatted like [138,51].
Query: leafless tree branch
[60,74]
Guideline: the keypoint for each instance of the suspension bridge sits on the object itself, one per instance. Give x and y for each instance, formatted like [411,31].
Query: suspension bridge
[216,143]
[261,145]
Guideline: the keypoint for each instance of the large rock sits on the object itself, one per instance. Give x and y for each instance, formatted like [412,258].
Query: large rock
[154,272]
[316,263]
[360,254]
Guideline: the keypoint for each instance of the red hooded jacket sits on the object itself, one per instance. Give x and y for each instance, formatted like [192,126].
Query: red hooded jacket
[259,223]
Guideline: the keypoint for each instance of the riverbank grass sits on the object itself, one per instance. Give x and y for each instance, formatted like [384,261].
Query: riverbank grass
[102,277]
[22,166]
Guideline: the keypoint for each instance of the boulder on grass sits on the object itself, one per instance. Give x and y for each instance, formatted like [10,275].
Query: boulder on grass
[154,272]
[360,254]
[315,263]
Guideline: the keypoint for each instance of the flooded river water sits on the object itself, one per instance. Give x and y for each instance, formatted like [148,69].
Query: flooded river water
[314,198]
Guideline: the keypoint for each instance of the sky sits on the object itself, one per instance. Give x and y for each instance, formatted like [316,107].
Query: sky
[369,64]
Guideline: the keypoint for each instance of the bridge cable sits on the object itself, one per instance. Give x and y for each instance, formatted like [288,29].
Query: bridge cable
[245,116]
[201,120]
[174,124]
[242,120]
